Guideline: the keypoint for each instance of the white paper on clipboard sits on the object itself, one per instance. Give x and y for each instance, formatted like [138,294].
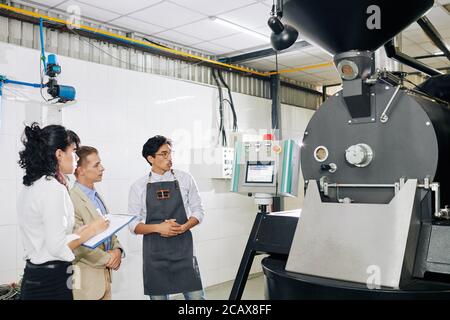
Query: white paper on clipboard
[116,222]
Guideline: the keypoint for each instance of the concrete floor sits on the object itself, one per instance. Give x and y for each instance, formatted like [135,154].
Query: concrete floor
[254,289]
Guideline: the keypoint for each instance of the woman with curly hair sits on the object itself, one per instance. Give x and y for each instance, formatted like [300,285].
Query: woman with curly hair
[46,214]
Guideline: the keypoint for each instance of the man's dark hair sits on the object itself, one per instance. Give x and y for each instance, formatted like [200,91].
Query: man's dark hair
[152,146]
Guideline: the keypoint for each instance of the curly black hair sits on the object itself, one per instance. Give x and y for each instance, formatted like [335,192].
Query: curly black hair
[38,158]
[152,146]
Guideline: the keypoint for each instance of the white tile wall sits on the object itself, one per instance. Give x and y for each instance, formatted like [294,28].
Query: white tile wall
[8,276]
[209,254]
[117,111]
[8,254]
[231,250]
[8,202]
[20,255]
[210,228]
[9,115]
[8,160]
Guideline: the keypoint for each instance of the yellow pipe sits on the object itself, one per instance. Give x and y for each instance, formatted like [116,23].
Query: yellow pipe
[320,65]
[152,45]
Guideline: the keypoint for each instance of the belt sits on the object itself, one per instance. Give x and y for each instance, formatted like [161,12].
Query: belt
[47,265]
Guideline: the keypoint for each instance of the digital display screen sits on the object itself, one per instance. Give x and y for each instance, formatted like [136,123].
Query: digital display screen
[260,172]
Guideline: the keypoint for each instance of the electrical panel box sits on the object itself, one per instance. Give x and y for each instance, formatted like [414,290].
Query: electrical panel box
[223,164]
[269,167]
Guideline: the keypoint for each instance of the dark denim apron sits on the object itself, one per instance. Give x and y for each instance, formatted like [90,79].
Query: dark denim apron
[169,263]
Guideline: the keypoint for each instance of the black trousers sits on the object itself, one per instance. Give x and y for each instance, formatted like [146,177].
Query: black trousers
[48,281]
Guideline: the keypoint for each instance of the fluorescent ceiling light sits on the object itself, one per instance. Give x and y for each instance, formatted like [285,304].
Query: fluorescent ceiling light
[240,28]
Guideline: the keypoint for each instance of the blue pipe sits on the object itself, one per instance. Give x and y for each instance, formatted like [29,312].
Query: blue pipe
[41,32]
[28,84]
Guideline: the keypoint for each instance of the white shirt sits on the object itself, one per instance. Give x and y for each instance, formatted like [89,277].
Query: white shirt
[188,188]
[46,219]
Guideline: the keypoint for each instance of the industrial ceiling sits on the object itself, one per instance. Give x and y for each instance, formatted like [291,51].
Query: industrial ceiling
[231,28]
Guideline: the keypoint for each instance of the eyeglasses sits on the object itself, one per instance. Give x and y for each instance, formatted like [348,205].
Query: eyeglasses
[165,154]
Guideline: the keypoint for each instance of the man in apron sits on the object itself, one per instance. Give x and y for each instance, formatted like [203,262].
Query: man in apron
[168,204]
